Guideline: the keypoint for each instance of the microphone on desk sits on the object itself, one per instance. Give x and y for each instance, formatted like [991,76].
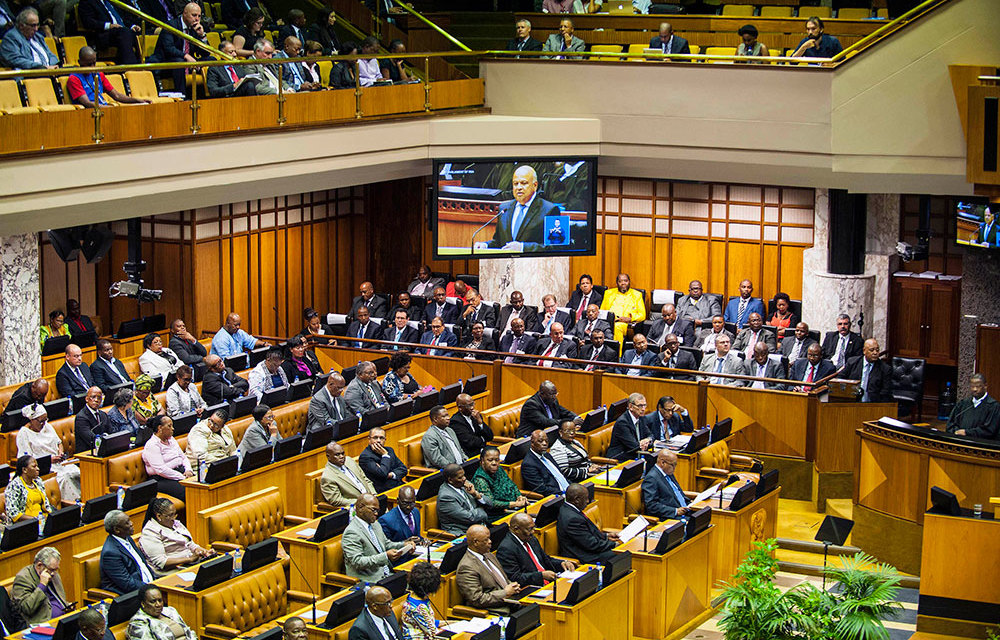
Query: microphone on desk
[306,580]
[277,317]
[645,537]
[733,478]
[472,241]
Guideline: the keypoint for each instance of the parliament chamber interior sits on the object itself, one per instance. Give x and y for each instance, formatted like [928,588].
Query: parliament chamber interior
[642,320]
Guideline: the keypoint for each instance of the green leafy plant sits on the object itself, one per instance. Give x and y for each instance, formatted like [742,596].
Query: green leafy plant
[864,593]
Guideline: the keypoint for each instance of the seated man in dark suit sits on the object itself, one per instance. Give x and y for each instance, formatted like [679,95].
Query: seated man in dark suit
[400,330]
[843,343]
[439,307]
[516,341]
[543,410]
[875,374]
[376,305]
[405,302]
[590,322]
[363,327]
[123,567]
[470,427]
[668,323]
[33,392]
[228,80]
[602,356]
[476,311]
[582,297]
[522,557]
[630,435]
[579,538]
[185,345]
[74,377]
[523,41]
[539,471]
[661,494]
[550,314]
[555,345]
[377,621]
[795,347]
[517,309]
[112,27]
[221,384]
[761,365]
[478,340]
[811,368]
[173,48]
[669,419]
[667,42]
[91,421]
[522,220]
[673,357]
[639,354]
[402,522]
[77,322]
[380,462]
[438,339]
[425,282]
[107,370]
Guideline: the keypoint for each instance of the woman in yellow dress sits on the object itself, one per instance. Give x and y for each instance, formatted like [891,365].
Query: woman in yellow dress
[56,327]
[627,304]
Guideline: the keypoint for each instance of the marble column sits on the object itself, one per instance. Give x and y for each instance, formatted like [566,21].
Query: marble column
[20,357]
[533,277]
[826,295]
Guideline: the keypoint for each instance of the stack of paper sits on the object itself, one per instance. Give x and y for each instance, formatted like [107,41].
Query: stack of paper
[633,529]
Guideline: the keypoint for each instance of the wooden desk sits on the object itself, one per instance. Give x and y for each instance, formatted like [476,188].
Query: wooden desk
[68,544]
[736,531]
[611,500]
[675,588]
[307,556]
[956,589]
[894,473]
[94,477]
[606,615]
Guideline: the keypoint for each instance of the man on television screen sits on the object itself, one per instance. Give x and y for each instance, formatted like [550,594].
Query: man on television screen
[987,234]
[522,220]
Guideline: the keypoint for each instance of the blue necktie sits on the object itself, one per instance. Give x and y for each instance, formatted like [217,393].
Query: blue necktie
[681,498]
[518,219]
[864,380]
[115,17]
[718,364]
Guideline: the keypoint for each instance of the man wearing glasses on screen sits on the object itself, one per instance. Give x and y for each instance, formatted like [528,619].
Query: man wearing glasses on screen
[521,223]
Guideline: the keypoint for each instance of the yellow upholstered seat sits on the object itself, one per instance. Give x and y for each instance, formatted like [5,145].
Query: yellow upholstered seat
[854,14]
[606,48]
[818,12]
[41,94]
[71,47]
[10,100]
[720,51]
[143,86]
[776,12]
[737,10]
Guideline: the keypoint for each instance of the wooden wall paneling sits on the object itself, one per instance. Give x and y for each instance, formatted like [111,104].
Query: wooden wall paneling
[689,261]
[295,274]
[661,262]
[636,261]
[391,206]
[268,263]
[744,262]
[770,272]
[790,274]
[283,266]
[207,267]
[714,279]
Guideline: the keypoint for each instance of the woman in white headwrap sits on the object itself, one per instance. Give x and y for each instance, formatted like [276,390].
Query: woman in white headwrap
[38,439]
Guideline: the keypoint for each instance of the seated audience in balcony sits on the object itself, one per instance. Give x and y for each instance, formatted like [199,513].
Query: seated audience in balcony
[523,41]
[672,356]
[38,438]
[551,314]
[342,75]
[234,11]
[314,325]
[811,368]
[626,303]
[516,341]
[602,356]
[228,80]
[555,345]
[363,328]
[874,373]
[155,621]
[748,338]
[322,31]
[23,47]
[158,360]
[639,354]
[249,33]
[398,384]
[590,322]
[310,68]
[563,6]
[739,309]
[395,69]
[668,41]
[750,47]
[817,44]
[478,340]
[438,307]
[270,74]
[173,48]
[718,327]
[295,26]
[294,72]
[794,346]
[77,322]
[378,306]
[400,331]
[183,396]
[438,338]
[425,283]
[476,311]
[698,308]
[564,40]
[368,70]
[164,459]
[724,360]
[517,309]
[110,26]
[80,86]
[56,326]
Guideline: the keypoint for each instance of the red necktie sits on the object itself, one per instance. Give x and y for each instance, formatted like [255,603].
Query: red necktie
[232,74]
[809,378]
[541,363]
[583,305]
[531,554]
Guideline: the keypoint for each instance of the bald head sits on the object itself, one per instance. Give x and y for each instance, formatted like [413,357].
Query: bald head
[478,537]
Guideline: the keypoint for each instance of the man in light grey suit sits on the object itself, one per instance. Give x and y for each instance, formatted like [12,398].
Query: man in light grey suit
[458,502]
[564,40]
[342,481]
[697,308]
[368,554]
[724,361]
[763,366]
[363,393]
[440,443]
[328,404]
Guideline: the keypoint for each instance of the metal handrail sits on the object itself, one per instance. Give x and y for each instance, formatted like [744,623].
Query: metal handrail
[886,28]
[163,25]
[452,39]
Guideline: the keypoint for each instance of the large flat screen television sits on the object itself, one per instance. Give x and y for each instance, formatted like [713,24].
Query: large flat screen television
[977,223]
[477,213]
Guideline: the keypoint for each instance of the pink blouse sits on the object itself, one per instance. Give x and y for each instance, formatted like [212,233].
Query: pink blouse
[163,458]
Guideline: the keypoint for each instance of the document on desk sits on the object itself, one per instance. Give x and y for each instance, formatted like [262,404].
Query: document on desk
[707,493]
[475,625]
[187,576]
[633,529]
[571,575]
[308,532]
[608,477]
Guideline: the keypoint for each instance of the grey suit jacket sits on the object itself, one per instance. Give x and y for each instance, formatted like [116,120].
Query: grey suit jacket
[788,343]
[336,486]
[360,401]
[743,340]
[456,514]
[361,559]
[436,451]
[733,365]
[703,309]
[321,409]
[555,42]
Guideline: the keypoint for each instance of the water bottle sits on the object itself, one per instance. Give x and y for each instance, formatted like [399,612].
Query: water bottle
[121,496]
[97,443]
[201,469]
[41,523]
[360,420]
[238,561]
[946,401]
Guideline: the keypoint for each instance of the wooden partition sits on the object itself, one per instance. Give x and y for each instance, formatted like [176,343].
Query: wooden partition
[576,388]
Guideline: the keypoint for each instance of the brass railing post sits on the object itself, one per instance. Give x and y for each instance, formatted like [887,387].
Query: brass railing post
[427,83]
[97,114]
[142,44]
[357,91]
[195,127]
[281,96]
